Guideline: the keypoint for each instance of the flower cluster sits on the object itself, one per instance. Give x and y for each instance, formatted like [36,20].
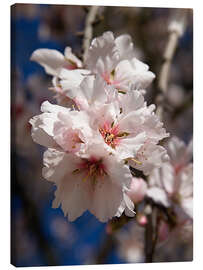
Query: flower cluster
[100,128]
[172,184]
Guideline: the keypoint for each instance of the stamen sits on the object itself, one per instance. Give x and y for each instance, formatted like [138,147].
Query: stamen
[76,171]
[135,160]
[121,92]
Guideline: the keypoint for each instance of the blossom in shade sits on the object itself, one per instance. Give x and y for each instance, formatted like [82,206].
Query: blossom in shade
[172,184]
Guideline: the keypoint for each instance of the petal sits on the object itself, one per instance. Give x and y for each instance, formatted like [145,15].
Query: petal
[158,195]
[187,205]
[70,56]
[185,179]
[151,156]
[74,195]
[102,49]
[54,162]
[42,130]
[128,147]
[107,198]
[125,46]
[51,60]
[52,108]
[133,73]
[138,189]
[72,78]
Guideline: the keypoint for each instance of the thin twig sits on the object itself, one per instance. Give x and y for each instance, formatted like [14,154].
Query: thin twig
[176,29]
[88,31]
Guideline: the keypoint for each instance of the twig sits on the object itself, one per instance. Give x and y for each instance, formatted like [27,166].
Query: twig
[88,32]
[176,29]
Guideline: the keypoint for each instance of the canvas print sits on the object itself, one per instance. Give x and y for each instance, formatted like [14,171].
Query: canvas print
[101,135]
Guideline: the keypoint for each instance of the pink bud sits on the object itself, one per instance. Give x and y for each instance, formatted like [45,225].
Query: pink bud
[142,219]
[137,190]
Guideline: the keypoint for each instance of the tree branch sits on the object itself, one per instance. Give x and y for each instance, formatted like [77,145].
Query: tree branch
[88,32]
[176,29]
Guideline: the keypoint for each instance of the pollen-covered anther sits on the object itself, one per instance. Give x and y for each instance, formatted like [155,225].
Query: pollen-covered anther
[75,139]
[92,168]
[134,160]
[112,135]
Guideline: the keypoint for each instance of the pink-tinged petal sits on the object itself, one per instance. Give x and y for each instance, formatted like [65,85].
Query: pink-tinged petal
[51,60]
[138,188]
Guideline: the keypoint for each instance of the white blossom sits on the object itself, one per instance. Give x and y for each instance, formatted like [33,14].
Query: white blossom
[94,181]
[172,184]
[114,59]
[53,61]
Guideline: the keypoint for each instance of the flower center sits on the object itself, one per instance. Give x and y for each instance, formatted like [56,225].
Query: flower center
[70,64]
[93,169]
[111,134]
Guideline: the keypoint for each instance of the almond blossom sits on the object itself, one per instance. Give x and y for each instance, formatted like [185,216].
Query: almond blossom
[60,128]
[70,140]
[114,59]
[125,122]
[53,61]
[172,184]
[93,181]
[65,67]
[96,133]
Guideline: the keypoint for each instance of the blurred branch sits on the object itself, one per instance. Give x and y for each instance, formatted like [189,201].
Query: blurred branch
[105,250]
[109,243]
[151,232]
[176,30]
[88,31]
[154,213]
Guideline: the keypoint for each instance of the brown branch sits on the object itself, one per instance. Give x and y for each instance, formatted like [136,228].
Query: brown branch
[88,31]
